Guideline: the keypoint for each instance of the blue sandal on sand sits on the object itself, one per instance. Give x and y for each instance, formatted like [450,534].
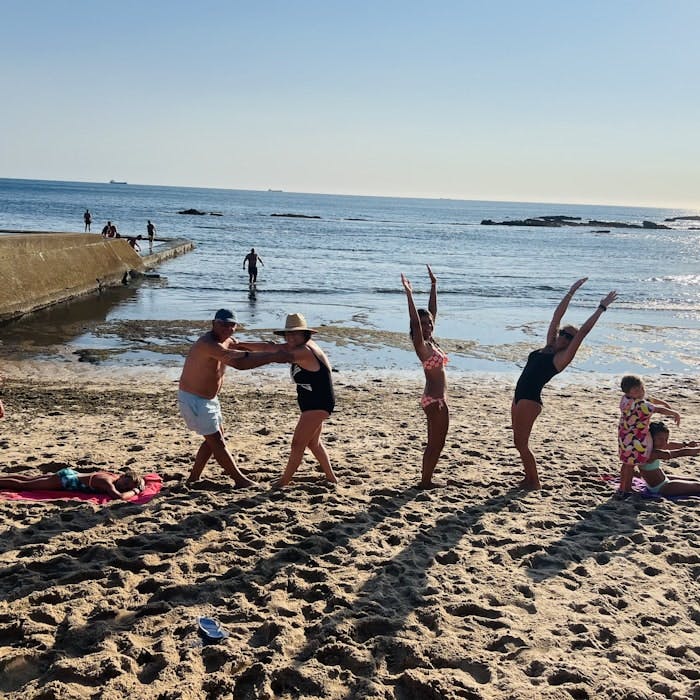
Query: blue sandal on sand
[211,630]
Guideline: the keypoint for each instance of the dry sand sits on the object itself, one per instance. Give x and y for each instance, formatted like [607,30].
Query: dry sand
[372,589]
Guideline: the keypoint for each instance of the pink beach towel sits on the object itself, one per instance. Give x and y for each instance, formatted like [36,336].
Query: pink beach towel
[153,484]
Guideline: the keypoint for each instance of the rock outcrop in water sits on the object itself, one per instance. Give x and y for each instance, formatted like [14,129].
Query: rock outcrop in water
[558,221]
[298,216]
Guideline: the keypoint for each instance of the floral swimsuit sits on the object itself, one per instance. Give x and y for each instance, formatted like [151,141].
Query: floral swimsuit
[633,435]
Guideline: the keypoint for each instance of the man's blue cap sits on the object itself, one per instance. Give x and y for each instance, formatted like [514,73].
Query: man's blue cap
[225,316]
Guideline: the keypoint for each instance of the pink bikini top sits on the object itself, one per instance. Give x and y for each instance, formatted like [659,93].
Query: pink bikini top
[437,359]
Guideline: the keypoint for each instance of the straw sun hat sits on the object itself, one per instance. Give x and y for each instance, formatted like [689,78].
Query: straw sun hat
[294,322]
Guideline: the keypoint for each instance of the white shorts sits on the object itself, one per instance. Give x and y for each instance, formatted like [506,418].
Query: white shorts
[200,414]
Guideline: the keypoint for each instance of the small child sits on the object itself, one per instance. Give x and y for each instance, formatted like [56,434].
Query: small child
[633,431]
[660,483]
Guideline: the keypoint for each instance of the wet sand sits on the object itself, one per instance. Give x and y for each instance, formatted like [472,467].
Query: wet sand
[371,589]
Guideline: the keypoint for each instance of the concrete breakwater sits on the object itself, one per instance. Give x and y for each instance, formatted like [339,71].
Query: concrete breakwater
[41,269]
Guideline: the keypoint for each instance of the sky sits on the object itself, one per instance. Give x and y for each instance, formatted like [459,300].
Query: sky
[538,100]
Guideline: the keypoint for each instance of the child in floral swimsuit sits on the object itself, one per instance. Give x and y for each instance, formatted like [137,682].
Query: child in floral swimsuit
[634,441]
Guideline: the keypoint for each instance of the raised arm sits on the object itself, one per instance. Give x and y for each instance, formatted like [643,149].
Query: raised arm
[416,332]
[561,310]
[432,302]
[565,356]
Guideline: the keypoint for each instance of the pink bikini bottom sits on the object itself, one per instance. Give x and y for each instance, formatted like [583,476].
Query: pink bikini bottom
[426,400]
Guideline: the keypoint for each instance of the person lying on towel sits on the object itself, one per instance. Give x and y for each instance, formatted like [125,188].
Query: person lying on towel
[124,486]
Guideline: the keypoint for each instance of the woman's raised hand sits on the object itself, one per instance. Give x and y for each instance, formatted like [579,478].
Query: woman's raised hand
[406,284]
[433,279]
[609,299]
[577,284]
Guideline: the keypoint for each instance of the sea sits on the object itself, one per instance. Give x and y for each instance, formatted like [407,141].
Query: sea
[338,259]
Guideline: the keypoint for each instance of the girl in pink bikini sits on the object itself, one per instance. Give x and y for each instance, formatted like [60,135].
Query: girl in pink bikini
[433,401]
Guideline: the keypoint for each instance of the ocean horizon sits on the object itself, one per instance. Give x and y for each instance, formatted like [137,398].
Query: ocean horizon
[338,259]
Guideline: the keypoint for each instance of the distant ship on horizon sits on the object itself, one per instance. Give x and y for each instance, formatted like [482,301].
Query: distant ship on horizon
[275,190]
[118,182]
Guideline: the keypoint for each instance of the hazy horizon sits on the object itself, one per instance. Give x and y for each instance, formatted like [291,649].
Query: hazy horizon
[349,194]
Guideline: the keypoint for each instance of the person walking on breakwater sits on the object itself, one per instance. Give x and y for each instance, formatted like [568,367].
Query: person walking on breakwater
[311,372]
[252,259]
[433,359]
[200,383]
[542,365]
[109,231]
[151,231]
[87,218]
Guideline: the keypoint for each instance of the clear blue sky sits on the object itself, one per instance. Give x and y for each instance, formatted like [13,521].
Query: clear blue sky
[544,100]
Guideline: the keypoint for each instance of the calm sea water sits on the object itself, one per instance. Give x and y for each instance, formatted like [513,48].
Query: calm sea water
[498,285]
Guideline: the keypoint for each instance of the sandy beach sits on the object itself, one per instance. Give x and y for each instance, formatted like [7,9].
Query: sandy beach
[371,589]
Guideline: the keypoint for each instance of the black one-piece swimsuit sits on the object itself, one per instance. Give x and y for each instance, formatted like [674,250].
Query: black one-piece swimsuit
[314,389]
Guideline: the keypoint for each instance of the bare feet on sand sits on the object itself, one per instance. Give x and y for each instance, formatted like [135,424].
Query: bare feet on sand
[426,485]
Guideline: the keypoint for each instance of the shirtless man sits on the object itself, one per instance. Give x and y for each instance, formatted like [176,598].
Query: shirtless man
[252,259]
[200,383]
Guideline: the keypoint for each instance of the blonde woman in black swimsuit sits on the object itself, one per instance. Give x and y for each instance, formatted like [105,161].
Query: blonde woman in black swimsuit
[311,371]
[542,365]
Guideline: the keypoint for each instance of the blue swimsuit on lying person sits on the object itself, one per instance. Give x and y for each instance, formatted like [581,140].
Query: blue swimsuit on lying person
[70,480]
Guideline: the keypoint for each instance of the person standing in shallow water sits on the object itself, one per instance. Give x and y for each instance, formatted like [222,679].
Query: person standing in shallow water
[87,218]
[433,359]
[542,365]
[151,231]
[252,259]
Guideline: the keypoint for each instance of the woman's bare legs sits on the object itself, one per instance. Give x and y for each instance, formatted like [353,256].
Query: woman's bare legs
[318,450]
[680,486]
[20,482]
[306,434]
[438,417]
[523,416]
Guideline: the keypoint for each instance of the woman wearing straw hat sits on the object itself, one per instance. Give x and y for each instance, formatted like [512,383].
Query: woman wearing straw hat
[433,359]
[311,371]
